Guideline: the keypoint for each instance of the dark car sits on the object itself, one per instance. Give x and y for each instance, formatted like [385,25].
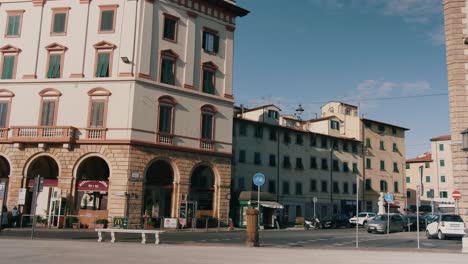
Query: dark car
[413,222]
[335,221]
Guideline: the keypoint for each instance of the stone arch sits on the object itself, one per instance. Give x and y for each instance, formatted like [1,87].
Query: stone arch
[160,181]
[5,167]
[203,190]
[91,177]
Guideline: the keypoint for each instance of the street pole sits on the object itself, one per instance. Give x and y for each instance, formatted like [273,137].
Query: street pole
[314,211]
[417,212]
[357,210]
[258,205]
[331,178]
[388,217]
[34,203]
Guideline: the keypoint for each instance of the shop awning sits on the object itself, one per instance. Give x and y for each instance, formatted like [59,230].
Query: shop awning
[93,186]
[47,183]
[271,204]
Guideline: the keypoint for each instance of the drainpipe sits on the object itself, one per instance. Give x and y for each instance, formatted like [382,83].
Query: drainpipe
[134,39]
[86,39]
[39,41]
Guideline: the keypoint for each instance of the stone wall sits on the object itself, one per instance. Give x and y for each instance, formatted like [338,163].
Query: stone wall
[128,165]
[457,61]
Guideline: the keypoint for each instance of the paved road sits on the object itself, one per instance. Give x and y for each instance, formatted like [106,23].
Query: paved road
[329,239]
[21,251]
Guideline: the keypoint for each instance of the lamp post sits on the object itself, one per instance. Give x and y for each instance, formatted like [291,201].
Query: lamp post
[331,178]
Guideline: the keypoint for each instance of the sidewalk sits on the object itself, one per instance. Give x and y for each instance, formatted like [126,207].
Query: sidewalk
[77,252]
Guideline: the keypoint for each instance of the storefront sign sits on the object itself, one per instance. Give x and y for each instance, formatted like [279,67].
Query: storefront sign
[93,186]
[22,196]
[120,222]
[47,183]
[170,223]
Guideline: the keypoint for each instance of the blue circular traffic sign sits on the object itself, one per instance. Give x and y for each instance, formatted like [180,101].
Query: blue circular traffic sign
[388,197]
[259,179]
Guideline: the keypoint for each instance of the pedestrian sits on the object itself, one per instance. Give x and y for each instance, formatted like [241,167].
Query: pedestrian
[14,214]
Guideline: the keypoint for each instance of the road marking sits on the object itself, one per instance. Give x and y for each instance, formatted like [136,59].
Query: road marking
[338,244]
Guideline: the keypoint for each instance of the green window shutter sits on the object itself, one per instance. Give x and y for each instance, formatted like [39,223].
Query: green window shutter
[107,20]
[3,114]
[167,71]
[54,66]
[102,69]
[59,22]
[169,28]
[8,65]
[13,25]
[205,35]
[208,86]
[165,119]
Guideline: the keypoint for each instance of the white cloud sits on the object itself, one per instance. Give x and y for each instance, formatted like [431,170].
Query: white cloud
[437,36]
[368,90]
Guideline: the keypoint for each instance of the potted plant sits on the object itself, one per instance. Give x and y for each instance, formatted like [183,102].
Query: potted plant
[101,223]
[150,223]
[41,221]
[73,222]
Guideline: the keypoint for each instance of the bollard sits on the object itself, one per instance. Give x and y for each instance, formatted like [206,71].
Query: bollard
[465,244]
[206,224]
[252,228]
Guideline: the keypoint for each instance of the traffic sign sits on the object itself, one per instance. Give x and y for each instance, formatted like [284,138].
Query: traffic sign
[314,199]
[388,197]
[259,179]
[456,195]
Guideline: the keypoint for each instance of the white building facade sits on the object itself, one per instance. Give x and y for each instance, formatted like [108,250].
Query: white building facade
[133,96]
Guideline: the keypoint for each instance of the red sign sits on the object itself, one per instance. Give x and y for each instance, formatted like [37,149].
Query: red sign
[93,186]
[456,195]
[47,183]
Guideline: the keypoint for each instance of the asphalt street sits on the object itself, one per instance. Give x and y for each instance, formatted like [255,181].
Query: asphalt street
[310,239]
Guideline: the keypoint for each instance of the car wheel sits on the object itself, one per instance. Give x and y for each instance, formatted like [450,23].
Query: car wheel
[364,224]
[440,236]
[428,235]
[368,231]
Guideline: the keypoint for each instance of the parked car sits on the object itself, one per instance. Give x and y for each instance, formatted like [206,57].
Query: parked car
[335,221]
[413,222]
[362,218]
[444,226]
[379,224]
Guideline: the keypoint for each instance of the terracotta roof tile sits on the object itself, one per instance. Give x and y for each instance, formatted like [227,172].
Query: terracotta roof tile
[426,158]
[443,137]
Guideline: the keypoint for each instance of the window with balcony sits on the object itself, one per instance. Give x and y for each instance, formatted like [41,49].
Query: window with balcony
[207,124]
[99,98]
[97,114]
[209,70]
[107,18]
[48,112]
[210,42]
[4,107]
[170,27]
[166,119]
[59,21]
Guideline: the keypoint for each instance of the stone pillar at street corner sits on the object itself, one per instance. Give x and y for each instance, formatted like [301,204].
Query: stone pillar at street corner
[252,228]
[14,184]
[224,192]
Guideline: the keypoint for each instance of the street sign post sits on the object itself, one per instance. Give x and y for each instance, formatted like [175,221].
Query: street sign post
[418,197]
[259,180]
[388,198]
[38,185]
[314,200]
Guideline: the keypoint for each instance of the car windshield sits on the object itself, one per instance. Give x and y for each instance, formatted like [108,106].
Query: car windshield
[362,215]
[327,218]
[380,217]
[452,218]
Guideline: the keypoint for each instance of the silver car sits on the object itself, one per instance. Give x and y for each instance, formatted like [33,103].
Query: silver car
[379,224]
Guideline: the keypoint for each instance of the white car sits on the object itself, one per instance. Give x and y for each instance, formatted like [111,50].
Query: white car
[362,218]
[449,225]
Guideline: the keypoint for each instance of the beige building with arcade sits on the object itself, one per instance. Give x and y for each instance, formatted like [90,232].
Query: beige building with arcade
[126,106]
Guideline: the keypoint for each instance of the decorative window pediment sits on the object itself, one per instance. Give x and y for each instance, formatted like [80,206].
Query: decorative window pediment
[56,47]
[99,91]
[210,66]
[10,49]
[170,53]
[4,93]
[50,92]
[208,108]
[104,45]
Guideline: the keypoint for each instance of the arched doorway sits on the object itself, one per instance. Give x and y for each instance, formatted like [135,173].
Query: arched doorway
[47,168]
[202,190]
[159,182]
[4,173]
[92,187]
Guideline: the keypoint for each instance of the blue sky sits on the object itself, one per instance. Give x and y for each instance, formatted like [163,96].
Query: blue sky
[313,51]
